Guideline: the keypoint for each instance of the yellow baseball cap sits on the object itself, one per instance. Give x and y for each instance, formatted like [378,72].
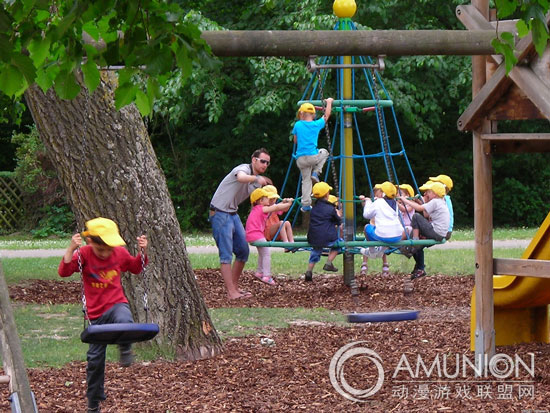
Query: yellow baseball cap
[307,107]
[271,191]
[426,186]
[437,187]
[320,189]
[388,188]
[407,188]
[333,199]
[105,229]
[444,179]
[256,194]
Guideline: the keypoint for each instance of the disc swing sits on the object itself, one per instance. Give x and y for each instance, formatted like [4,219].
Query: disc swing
[117,333]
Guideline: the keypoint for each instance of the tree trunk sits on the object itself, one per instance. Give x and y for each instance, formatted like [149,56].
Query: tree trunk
[107,166]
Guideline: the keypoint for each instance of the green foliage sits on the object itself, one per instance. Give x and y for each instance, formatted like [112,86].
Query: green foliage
[44,43]
[47,210]
[56,220]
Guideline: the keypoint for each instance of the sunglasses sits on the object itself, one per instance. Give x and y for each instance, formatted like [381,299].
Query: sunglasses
[263,161]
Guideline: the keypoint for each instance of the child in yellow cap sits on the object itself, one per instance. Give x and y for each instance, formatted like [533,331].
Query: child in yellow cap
[309,159]
[255,229]
[431,221]
[103,259]
[448,182]
[324,222]
[273,223]
[387,227]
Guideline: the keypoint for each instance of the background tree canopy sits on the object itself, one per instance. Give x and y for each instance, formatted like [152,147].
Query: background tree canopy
[208,115]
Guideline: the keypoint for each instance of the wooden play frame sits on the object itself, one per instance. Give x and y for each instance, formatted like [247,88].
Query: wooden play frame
[518,95]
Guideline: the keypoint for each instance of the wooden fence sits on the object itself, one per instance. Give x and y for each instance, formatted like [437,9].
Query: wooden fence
[11,203]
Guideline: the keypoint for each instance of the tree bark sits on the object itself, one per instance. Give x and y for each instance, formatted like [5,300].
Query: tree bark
[106,164]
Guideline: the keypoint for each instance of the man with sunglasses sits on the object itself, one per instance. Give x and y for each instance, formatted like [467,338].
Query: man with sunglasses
[227,228]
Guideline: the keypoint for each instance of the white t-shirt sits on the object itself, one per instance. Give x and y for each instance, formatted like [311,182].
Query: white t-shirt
[386,218]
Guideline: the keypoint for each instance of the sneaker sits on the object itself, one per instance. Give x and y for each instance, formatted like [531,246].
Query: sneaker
[386,269]
[364,269]
[306,208]
[94,409]
[126,358]
[314,177]
[308,276]
[329,266]
[417,274]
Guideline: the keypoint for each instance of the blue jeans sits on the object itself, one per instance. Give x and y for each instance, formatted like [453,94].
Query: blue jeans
[95,370]
[230,237]
[315,254]
[371,235]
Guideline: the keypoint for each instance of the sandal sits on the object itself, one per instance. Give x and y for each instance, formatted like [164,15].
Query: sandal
[265,278]
[364,269]
[385,269]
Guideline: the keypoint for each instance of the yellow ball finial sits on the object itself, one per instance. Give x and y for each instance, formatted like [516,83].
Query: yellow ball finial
[344,8]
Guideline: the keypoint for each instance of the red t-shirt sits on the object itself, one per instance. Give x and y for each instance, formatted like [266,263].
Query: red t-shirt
[102,287]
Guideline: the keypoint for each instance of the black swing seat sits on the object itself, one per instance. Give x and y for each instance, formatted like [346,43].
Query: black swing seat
[119,333]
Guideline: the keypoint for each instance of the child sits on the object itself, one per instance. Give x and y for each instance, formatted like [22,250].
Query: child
[273,223]
[102,260]
[435,228]
[309,159]
[448,182]
[255,229]
[388,227]
[406,191]
[323,229]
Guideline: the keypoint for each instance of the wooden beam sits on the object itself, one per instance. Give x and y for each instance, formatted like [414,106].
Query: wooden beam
[472,19]
[12,354]
[493,90]
[521,268]
[226,43]
[533,87]
[516,136]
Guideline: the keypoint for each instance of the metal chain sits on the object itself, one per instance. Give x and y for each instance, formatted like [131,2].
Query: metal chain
[81,269]
[385,143]
[327,132]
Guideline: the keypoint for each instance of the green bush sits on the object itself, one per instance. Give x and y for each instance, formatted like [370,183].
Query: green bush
[47,210]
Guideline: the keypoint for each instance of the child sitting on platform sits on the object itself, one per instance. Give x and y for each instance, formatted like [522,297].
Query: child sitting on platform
[448,182]
[388,227]
[407,191]
[273,223]
[324,222]
[255,229]
[431,221]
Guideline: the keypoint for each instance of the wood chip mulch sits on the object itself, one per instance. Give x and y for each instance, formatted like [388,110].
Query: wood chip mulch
[290,372]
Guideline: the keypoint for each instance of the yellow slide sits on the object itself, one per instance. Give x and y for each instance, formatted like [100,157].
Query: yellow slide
[521,303]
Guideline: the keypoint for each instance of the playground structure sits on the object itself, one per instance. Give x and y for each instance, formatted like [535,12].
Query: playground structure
[479,119]
[520,95]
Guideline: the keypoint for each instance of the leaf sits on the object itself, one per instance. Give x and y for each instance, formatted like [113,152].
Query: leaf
[125,94]
[25,66]
[5,48]
[540,35]
[91,75]
[505,7]
[91,29]
[65,85]
[523,28]
[142,103]
[505,49]
[43,80]
[5,20]
[11,80]
[39,49]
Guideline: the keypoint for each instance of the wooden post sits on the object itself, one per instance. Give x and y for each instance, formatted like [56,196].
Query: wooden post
[483,220]
[12,355]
